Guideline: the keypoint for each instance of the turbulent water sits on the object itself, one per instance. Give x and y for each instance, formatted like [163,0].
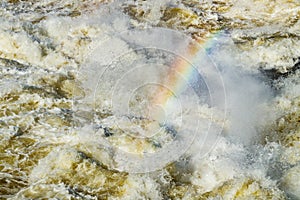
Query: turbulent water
[149,99]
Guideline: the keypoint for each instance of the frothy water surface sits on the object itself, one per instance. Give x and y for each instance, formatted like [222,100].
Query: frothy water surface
[149,100]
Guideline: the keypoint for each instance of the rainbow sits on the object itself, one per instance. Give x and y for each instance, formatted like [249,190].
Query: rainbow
[181,71]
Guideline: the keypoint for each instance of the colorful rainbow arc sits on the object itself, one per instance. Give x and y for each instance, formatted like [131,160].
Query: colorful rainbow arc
[182,71]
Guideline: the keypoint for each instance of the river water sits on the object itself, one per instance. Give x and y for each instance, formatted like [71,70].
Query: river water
[150,100]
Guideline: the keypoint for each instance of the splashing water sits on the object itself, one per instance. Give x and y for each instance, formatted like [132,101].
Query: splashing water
[102,100]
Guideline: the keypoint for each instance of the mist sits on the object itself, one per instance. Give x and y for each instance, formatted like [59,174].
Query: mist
[237,108]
